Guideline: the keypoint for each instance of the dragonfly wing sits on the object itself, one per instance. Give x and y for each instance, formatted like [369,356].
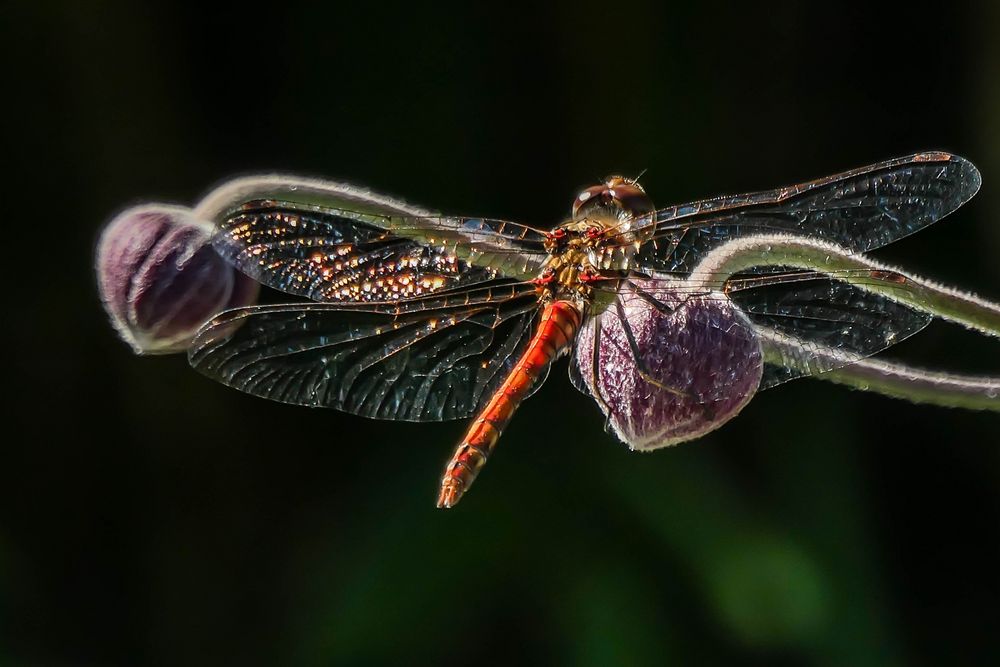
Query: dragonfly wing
[859,210]
[328,256]
[384,361]
[822,323]
[333,242]
[508,248]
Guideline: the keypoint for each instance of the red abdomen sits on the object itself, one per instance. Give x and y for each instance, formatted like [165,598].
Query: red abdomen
[559,323]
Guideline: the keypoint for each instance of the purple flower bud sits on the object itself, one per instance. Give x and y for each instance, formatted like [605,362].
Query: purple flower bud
[701,360]
[160,279]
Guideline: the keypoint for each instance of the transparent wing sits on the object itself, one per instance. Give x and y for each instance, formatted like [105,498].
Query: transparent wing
[412,222]
[813,311]
[511,249]
[431,359]
[329,255]
[859,210]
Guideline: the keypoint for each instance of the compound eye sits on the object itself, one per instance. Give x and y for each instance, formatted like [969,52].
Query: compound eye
[632,198]
[597,194]
[615,193]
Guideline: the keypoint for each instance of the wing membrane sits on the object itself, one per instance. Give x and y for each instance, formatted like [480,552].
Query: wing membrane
[859,210]
[334,242]
[327,256]
[421,364]
[816,312]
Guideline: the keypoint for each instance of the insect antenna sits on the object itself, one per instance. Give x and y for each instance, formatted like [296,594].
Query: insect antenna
[642,173]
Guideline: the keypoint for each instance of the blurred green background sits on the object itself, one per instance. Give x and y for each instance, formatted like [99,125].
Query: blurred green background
[150,516]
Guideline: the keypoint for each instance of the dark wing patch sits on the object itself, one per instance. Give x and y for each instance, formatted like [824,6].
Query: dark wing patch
[375,361]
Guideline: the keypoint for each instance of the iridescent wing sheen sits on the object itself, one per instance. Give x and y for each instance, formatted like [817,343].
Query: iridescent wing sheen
[427,359]
[337,255]
[859,210]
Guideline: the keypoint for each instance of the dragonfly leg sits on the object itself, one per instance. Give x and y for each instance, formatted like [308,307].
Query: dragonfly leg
[595,371]
[656,303]
[595,375]
[637,356]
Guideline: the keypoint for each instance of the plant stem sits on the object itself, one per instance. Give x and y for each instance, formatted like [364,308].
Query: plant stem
[718,266]
[890,378]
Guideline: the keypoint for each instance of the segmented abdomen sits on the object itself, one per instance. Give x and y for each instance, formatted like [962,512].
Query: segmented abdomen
[560,320]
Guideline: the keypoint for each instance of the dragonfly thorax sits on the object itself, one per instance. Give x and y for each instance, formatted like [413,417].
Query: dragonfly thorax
[603,218]
[574,248]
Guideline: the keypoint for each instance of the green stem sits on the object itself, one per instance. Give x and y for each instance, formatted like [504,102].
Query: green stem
[479,242]
[719,265]
[716,269]
[891,379]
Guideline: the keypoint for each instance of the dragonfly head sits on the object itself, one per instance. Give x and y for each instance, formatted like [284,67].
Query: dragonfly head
[616,197]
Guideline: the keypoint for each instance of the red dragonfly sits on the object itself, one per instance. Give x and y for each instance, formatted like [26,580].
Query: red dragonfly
[416,316]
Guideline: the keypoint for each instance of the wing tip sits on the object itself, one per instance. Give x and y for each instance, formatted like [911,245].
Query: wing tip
[968,174]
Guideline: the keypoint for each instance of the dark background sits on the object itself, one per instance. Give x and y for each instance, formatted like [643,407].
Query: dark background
[150,516]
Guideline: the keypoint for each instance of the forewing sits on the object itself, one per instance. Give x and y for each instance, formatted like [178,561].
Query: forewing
[511,249]
[333,242]
[383,361]
[859,210]
[329,256]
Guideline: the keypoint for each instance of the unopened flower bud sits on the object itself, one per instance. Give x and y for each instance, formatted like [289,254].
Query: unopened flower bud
[160,279]
[699,363]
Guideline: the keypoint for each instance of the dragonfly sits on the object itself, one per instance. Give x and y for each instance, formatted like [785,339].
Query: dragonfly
[415,316]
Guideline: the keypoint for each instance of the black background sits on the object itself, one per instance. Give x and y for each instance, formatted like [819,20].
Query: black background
[149,516]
